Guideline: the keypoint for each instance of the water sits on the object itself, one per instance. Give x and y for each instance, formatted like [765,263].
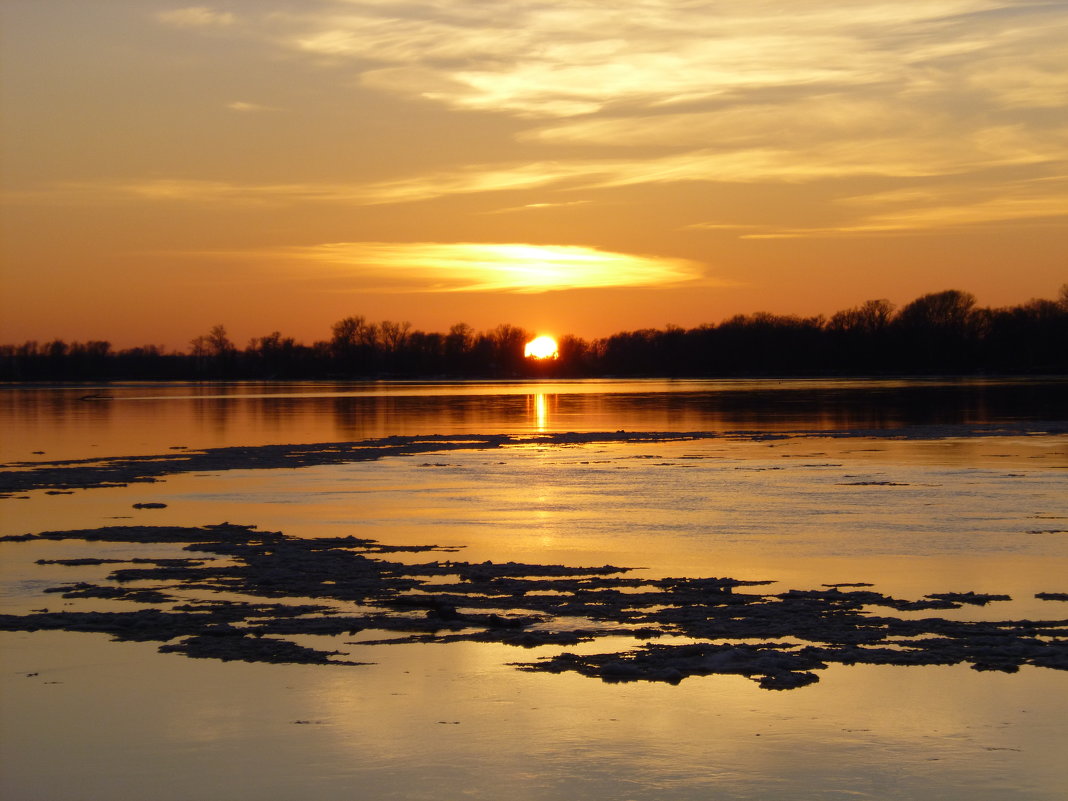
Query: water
[123,419]
[912,516]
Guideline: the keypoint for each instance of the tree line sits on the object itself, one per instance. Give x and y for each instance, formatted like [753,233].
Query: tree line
[940,332]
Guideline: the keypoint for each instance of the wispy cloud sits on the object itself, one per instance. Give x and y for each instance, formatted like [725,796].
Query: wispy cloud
[690,91]
[539,206]
[480,267]
[791,121]
[541,60]
[196,17]
[722,226]
[923,211]
[183,190]
[406,190]
[537,59]
[244,107]
[994,147]
[673,92]
[988,148]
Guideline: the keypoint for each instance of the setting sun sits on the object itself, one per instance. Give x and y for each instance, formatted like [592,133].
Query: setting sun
[543,347]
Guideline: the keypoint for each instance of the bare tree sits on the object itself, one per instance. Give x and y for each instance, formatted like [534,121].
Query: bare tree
[218,343]
[948,310]
[460,338]
[393,335]
[508,343]
[347,334]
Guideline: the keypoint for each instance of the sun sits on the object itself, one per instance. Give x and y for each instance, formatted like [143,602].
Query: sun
[543,347]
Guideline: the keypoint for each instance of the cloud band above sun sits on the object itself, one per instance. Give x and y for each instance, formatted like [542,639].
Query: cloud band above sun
[481,267]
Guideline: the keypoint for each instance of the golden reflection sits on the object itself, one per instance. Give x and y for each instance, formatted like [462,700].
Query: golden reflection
[541,411]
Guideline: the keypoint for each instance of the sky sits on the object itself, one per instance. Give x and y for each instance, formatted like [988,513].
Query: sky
[568,167]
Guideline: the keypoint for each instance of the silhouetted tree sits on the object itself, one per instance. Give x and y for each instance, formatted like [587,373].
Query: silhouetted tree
[423,354]
[942,331]
[213,353]
[352,345]
[574,354]
[89,360]
[508,343]
[219,343]
[459,344]
[770,344]
[860,338]
[274,356]
[393,335]
[346,334]
[950,310]
[871,317]
[1032,337]
[937,331]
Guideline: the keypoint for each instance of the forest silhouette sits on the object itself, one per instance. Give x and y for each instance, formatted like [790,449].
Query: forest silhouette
[938,333]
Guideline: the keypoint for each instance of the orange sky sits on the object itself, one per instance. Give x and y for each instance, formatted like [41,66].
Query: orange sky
[576,167]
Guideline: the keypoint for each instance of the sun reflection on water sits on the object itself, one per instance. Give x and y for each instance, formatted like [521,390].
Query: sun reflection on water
[538,410]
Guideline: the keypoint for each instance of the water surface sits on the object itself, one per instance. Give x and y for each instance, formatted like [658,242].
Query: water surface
[47,423]
[910,515]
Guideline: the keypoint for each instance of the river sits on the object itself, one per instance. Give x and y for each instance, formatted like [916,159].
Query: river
[911,487]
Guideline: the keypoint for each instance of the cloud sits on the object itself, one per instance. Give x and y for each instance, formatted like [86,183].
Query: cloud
[886,156]
[184,190]
[720,226]
[687,91]
[534,59]
[242,106]
[790,121]
[890,157]
[539,206]
[922,211]
[196,17]
[1020,85]
[824,90]
[480,267]
[537,59]
[968,92]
